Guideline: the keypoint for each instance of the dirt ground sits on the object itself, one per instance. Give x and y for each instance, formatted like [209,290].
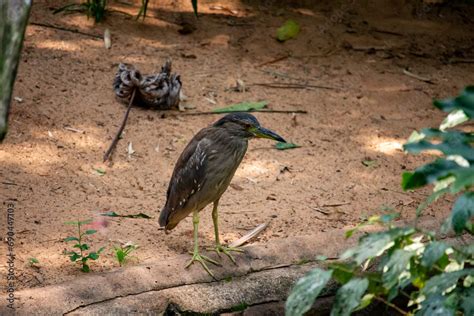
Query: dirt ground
[348,167]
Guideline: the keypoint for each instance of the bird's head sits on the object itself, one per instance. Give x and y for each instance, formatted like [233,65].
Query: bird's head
[246,125]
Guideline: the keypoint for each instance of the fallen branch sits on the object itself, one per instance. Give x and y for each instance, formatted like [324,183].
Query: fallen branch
[66,29]
[424,79]
[122,126]
[280,85]
[259,111]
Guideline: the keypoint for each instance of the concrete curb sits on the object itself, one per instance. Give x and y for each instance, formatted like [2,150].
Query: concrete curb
[151,286]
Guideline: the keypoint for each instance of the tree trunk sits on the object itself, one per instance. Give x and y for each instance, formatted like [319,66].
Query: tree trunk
[13,19]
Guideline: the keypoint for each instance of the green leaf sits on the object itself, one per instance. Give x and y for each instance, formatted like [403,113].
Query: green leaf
[139,215]
[242,107]
[465,102]
[452,143]
[397,263]
[348,297]
[195,7]
[441,282]
[33,260]
[100,249]
[81,246]
[342,272]
[71,238]
[464,179]
[365,301]
[433,252]
[463,211]
[288,30]
[428,173]
[467,301]
[90,231]
[435,305]
[284,146]
[85,268]
[374,244]
[305,292]
[120,255]
[100,171]
[93,256]
[454,118]
[74,256]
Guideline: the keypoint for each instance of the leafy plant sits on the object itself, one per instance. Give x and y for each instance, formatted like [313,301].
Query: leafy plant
[122,252]
[98,9]
[32,262]
[82,255]
[93,8]
[434,277]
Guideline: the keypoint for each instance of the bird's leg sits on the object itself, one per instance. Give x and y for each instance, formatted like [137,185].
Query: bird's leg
[219,247]
[196,255]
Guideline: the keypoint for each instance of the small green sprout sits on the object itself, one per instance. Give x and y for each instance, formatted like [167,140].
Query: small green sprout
[122,252]
[82,255]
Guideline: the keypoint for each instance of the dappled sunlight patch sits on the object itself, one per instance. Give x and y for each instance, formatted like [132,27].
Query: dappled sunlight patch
[38,161]
[58,45]
[257,169]
[385,145]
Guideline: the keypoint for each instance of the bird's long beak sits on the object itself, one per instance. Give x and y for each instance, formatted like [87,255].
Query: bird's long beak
[266,133]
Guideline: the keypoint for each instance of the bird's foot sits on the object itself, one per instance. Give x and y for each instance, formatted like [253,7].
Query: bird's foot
[202,260]
[226,250]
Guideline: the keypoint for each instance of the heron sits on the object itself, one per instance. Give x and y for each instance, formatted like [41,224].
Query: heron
[203,172]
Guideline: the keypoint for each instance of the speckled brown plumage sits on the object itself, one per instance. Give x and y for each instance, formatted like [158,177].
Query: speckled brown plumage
[213,151]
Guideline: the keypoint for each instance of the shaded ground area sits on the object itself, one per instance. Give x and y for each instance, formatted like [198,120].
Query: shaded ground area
[349,164]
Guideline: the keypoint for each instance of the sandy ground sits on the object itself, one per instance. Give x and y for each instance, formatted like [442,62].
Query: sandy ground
[349,165]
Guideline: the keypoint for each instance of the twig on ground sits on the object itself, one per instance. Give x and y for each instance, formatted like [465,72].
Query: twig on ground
[120,130]
[253,233]
[336,204]
[72,129]
[8,183]
[282,85]
[317,209]
[273,61]
[65,29]
[424,79]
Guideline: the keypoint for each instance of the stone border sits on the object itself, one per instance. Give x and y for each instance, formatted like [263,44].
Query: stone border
[263,276]
[279,263]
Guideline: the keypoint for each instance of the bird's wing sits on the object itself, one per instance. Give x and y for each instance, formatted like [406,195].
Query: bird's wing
[187,179]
